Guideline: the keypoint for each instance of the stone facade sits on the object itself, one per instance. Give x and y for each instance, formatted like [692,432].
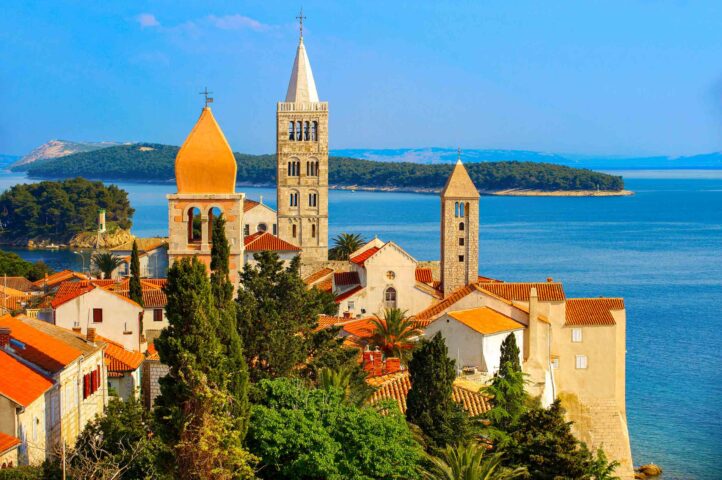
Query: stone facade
[153,371]
[181,242]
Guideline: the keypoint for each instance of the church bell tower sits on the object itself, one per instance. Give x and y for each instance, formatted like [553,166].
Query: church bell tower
[459,230]
[302,161]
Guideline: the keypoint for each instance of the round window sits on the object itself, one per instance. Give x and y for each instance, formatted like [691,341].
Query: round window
[261,227]
[390,275]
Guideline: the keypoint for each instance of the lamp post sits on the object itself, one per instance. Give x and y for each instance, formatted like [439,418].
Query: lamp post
[82,258]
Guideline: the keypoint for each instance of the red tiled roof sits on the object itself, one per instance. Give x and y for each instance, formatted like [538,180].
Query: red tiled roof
[361,258]
[361,328]
[348,294]
[424,317]
[317,275]
[592,311]
[249,204]
[158,282]
[346,278]
[120,359]
[481,279]
[547,291]
[324,286]
[19,382]
[7,442]
[14,302]
[328,320]
[152,353]
[70,290]
[151,298]
[424,275]
[43,350]
[59,277]
[18,283]
[264,241]
[396,386]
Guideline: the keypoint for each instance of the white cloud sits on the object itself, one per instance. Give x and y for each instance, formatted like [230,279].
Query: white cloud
[147,20]
[236,22]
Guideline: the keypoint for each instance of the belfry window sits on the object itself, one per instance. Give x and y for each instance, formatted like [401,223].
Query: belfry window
[314,131]
[194,225]
[312,169]
[456,209]
[313,199]
[290,130]
[390,297]
[298,131]
[294,168]
[461,226]
[293,201]
[214,213]
[306,131]
[461,210]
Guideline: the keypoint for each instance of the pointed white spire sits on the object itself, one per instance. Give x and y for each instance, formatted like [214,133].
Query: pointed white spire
[301,87]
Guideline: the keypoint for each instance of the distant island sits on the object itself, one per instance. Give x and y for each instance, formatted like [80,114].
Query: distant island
[61,212]
[155,162]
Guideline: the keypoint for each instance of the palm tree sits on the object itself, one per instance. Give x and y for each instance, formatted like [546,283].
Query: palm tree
[106,263]
[394,334]
[340,378]
[344,245]
[469,461]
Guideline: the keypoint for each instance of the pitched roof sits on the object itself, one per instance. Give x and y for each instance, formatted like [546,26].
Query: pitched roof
[485,320]
[59,277]
[44,350]
[424,317]
[70,338]
[396,386]
[248,204]
[70,290]
[19,382]
[301,86]
[153,296]
[144,244]
[547,291]
[424,275]
[120,359]
[361,258]
[329,320]
[14,303]
[361,327]
[349,293]
[459,184]
[11,292]
[324,286]
[18,283]
[264,241]
[317,275]
[346,278]
[7,442]
[592,311]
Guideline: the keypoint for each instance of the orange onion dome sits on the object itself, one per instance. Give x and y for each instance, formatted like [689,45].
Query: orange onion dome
[205,162]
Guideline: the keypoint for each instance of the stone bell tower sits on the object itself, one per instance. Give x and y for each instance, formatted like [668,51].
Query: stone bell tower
[205,171]
[302,162]
[459,230]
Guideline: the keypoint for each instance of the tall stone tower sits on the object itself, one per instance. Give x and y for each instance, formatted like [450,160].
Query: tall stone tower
[302,162]
[205,172]
[459,230]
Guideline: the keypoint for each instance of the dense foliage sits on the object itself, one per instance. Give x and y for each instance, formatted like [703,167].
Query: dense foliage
[344,244]
[56,211]
[302,433]
[12,265]
[156,162]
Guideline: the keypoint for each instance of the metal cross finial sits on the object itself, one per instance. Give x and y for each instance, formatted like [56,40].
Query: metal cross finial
[300,19]
[205,93]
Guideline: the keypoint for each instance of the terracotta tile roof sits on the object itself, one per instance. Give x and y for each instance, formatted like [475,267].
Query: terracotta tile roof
[425,316]
[424,275]
[264,241]
[19,382]
[317,275]
[14,303]
[248,204]
[18,283]
[121,360]
[328,320]
[68,337]
[592,311]
[158,282]
[144,245]
[7,442]
[70,290]
[348,294]
[481,279]
[427,288]
[152,298]
[152,353]
[361,258]
[41,349]
[485,320]
[396,386]
[58,278]
[325,285]
[9,291]
[361,327]
[346,278]
[547,291]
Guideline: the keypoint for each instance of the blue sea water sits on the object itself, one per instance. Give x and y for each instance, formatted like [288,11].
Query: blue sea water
[660,249]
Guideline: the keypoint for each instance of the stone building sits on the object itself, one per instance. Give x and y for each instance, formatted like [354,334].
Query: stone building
[302,163]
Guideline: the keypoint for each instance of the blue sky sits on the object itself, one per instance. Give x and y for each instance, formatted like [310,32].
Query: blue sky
[588,77]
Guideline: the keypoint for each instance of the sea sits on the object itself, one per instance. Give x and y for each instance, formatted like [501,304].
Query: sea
[660,249]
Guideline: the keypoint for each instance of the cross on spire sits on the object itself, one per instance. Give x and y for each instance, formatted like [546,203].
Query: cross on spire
[300,19]
[205,93]
[458,150]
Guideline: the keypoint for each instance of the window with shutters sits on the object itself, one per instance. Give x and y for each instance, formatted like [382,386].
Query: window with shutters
[97,315]
[581,362]
[158,315]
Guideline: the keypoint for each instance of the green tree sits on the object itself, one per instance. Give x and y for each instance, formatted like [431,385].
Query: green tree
[394,334]
[106,262]
[197,374]
[601,468]
[469,461]
[134,286]
[222,290]
[302,433]
[429,402]
[344,245]
[13,265]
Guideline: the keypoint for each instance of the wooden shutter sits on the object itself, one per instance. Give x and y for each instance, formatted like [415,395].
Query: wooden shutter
[97,315]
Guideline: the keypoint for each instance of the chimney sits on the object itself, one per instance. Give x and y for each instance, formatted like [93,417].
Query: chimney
[368,360]
[550,279]
[533,305]
[347,314]
[91,335]
[77,330]
[393,364]
[378,362]
[4,337]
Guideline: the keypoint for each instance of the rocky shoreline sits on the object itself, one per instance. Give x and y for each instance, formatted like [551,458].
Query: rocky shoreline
[83,240]
[501,193]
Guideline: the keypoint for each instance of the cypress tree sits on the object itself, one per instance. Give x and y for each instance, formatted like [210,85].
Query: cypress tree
[136,290]
[506,392]
[429,402]
[227,332]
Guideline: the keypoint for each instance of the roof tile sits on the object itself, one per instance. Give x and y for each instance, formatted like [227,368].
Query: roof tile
[19,382]
[361,258]
[7,442]
[264,241]
[592,311]
[349,293]
[485,320]
[346,278]
[424,275]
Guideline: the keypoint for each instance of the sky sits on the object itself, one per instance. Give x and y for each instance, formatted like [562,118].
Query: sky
[584,77]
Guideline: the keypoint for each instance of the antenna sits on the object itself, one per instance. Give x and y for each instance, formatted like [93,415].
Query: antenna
[205,93]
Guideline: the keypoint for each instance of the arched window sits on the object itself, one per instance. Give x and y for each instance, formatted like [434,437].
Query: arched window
[293,201]
[294,231]
[312,169]
[261,227]
[456,209]
[290,131]
[298,131]
[194,225]
[461,210]
[313,199]
[390,297]
[306,131]
[214,213]
[294,168]
[314,131]
[461,226]
[313,231]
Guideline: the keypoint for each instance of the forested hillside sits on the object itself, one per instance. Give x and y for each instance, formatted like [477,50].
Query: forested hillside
[56,211]
[146,162]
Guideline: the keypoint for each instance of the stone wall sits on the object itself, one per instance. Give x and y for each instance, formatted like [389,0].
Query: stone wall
[153,371]
[455,271]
